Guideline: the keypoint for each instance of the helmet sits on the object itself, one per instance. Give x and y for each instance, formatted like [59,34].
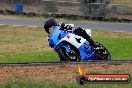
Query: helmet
[49,23]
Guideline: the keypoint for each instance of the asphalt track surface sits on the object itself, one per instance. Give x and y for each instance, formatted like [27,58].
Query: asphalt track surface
[110,26]
[113,62]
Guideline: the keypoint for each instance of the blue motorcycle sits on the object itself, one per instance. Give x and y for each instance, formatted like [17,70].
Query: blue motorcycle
[72,47]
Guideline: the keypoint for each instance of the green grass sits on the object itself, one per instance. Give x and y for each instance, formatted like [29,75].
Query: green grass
[119,48]
[30,84]
[25,44]
[30,57]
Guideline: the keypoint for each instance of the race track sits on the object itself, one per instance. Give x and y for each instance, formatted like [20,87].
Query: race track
[110,26]
[112,62]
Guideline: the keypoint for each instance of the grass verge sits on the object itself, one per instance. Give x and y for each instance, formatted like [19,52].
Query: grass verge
[37,18]
[30,84]
[26,44]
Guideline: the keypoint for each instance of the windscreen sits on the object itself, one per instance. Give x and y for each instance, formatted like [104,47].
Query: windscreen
[52,31]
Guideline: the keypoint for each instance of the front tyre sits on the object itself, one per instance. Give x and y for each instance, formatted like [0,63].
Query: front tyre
[61,54]
[73,55]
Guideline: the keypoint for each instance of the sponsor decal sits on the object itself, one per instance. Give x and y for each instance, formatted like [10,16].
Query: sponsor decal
[83,78]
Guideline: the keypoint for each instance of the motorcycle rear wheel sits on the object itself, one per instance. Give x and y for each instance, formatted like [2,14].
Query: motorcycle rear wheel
[102,50]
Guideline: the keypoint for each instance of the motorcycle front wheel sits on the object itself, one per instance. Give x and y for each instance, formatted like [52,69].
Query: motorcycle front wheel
[71,56]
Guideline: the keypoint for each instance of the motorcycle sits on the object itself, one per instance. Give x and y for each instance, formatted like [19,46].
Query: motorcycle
[71,47]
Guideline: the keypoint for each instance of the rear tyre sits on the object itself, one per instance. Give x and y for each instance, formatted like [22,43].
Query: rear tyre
[102,52]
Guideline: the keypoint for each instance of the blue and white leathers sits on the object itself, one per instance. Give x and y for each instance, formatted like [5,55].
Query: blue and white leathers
[57,37]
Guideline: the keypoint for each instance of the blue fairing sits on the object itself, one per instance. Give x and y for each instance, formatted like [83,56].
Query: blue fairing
[85,50]
[55,37]
[87,53]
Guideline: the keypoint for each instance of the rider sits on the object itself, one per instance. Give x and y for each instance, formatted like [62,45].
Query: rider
[78,31]
[49,23]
